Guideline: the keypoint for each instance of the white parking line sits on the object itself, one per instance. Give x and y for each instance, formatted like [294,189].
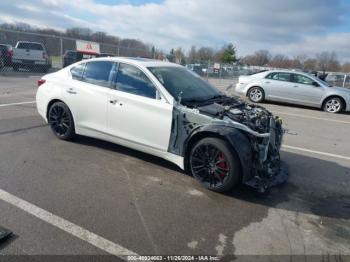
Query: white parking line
[70,228]
[16,104]
[315,152]
[310,117]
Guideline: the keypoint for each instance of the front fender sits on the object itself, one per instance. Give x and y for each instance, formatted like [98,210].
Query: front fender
[239,142]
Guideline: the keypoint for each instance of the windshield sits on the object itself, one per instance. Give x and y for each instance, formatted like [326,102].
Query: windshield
[180,82]
[324,82]
[320,81]
[32,46]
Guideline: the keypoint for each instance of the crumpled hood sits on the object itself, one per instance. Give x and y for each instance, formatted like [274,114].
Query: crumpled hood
[341,89]
[255,117]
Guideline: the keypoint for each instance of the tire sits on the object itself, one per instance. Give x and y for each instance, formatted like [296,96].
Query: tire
[15,68]
[214,164]
[333,105]
[61,121]
[256,94]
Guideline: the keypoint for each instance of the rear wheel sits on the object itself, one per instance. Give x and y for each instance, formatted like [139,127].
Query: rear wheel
[333,105]
[214,164]
[256,94]
[61,121]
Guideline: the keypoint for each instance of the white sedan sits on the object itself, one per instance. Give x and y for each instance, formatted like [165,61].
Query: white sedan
[165,110]
[295,88]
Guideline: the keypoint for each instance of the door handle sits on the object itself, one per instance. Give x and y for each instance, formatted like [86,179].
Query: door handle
[267,82]
[115,102]
[295,86]
[71,91]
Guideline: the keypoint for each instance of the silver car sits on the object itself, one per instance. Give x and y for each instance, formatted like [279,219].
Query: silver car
[295,88]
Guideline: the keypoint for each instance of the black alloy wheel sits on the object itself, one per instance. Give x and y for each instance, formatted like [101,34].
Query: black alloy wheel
[61,121]
[214,164]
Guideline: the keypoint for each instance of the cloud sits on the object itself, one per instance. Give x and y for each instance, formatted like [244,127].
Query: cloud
[311,45]
[279,26]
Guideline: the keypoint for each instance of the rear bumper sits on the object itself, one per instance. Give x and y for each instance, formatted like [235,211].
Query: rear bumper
[23,62]
[240,88]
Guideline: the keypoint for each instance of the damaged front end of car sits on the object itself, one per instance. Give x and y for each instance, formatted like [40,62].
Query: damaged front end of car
[253,132]
[267,168]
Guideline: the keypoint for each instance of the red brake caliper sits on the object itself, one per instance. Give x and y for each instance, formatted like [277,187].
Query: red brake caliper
[222,165]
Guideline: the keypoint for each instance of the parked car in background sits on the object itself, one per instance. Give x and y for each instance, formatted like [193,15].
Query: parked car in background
[339,79]
[6,53]
[72,56]
[106,55]
[295,88]
[168,111]
[30,55]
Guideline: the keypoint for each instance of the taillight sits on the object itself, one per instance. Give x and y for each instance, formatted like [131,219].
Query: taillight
[9,53]
[41,81]
[44,55]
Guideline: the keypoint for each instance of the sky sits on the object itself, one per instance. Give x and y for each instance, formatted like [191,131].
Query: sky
[290,27]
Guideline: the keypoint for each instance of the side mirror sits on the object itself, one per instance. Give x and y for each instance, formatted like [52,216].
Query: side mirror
[315,84]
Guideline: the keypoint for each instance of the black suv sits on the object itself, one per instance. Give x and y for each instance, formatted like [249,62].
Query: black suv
[6,53]
[71,56]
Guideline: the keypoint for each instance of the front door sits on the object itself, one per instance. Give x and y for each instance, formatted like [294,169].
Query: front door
[309,94]
[136,113]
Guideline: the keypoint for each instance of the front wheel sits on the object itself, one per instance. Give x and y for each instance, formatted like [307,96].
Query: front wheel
[256,94]
[333,105]
[214,164]
[61,121]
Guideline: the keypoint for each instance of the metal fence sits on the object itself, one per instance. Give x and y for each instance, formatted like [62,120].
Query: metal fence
[57,52]
[54,52]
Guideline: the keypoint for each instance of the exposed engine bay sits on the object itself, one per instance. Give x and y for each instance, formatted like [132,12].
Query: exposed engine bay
[234,118]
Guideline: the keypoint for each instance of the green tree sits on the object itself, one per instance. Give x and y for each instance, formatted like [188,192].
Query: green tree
[229,54]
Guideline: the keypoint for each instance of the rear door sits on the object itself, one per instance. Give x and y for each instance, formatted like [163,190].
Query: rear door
[87,94]
[136,113]
[279,87]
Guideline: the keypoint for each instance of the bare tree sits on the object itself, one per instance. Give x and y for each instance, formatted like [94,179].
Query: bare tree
[205,54]
[179,56]
[262,57]
[327,61]
[280,61]
[299,61]
[259,58]
[346,67]
[192,55]
[310,64]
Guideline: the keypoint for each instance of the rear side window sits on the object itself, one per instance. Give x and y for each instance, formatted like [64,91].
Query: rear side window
[280,76]
[98,73]
[132,80]
[77,71]
[70,54]
[31,46]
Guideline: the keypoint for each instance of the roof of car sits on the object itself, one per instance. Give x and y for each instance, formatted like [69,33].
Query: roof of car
[145,62]
[286,71]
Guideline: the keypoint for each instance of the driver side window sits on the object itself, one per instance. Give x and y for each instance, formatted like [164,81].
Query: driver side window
[300,79]
[132,80]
